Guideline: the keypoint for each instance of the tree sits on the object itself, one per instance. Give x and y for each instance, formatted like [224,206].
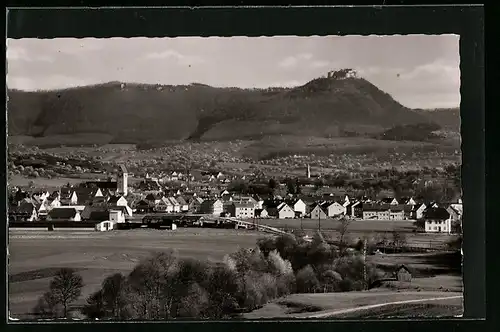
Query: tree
[306,279]
[399,239]
[113,294]
[66,287]
[291,186]
[272,184]
[95,308]
[342,229]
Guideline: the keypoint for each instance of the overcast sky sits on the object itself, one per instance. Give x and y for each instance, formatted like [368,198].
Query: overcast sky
[419,71]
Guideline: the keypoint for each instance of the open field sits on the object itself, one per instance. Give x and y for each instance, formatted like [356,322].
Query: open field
[34,256]
[360,228]
[307,305]
[331,224]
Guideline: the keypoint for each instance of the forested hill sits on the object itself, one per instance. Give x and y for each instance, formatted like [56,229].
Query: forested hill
[133,113]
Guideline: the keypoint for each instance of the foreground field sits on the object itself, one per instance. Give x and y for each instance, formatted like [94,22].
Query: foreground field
[360,228]
[36,255]
[360,305]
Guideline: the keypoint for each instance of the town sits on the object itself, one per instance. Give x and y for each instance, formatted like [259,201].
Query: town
[208,194]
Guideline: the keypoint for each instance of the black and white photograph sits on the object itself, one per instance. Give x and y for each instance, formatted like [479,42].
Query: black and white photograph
[234,178]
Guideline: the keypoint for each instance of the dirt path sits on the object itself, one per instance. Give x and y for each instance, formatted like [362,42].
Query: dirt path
[333,313]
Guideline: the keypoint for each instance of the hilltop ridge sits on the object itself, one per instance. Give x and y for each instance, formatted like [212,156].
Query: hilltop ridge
[132,113]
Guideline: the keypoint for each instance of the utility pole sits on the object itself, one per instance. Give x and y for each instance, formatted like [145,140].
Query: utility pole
[319,217]
[364,264]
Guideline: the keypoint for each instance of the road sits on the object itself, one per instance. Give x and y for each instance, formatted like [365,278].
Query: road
[334,313]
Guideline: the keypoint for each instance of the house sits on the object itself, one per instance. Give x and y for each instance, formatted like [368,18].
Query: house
[242,210]
[195,204]
[86,195]
[418,211]
[376,211]
[26,211]
[64,214]
[68,196]
[437,220]
[285,211]
[143,206]
[184,206]
[164,205]
[335,209]
[318,212]
[261,213]
[397,212]
[176,207]
[117,201]
[154,198]
[402,273]
[454,214]
[354,209]
[298,205]
[95,213]
[214,207]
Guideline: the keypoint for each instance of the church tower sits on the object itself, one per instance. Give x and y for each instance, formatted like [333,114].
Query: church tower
[122,181]
[308,174]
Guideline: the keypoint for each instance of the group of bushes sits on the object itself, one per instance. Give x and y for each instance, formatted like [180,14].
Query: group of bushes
[165,286]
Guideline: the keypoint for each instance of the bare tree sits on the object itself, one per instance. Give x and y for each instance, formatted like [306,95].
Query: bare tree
[342,229]
[66,287]
[399,239]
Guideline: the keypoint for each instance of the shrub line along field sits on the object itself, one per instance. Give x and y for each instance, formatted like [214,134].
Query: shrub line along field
[35,255]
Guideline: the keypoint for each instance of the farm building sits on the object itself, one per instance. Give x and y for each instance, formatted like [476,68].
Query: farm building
[104,226]
[318,212]
[64,214]
[242,210]
[402,273]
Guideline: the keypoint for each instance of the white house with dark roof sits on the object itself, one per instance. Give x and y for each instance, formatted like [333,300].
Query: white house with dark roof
[285,211]
[244,210]
[335,209]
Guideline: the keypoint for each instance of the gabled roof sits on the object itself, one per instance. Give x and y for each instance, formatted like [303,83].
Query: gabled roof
[398,208]
[120,208]
[438,213]
[376,207]
[402,267]
[62,213]
[243,205]
[181,200]
[114,199]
